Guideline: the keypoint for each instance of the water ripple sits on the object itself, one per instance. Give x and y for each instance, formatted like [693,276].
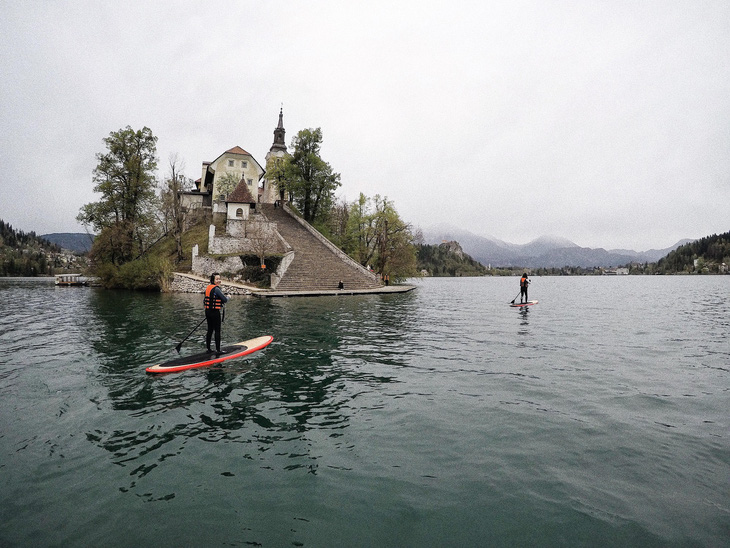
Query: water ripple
[441,410]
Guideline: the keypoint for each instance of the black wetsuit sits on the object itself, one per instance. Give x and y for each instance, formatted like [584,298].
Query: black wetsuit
[524,282]
[214,300]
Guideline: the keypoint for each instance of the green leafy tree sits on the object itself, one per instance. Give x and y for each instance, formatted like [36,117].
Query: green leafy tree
[276,173]
[124,177]
[376,236]
[310,180]
[396,254]
[359,238]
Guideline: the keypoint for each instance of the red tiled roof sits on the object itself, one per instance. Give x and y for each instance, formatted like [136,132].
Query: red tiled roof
[241,194]
[237,150]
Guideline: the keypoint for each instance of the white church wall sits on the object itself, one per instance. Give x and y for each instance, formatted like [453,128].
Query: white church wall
[238,212]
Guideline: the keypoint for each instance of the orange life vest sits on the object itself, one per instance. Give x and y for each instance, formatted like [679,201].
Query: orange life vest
[523,281]
[211,300]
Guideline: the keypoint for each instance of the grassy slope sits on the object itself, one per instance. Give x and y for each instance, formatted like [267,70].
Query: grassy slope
[196,234]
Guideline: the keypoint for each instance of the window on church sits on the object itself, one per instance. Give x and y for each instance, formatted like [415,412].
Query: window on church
[239,212]
[230,163]
[244,164]
[250,182]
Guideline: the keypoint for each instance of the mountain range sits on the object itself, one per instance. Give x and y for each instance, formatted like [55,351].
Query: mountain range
[79,242]
[544,252]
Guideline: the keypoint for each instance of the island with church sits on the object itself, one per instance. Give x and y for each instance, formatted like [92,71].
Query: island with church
[253,218]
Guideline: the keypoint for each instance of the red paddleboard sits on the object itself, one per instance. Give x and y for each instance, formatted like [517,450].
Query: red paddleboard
[205,359]
[528,303]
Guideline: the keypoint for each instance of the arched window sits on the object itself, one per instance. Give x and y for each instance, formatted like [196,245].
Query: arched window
[239,212]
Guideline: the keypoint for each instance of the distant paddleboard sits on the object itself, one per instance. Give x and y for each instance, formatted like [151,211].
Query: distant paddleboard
[205,359]
[520,305]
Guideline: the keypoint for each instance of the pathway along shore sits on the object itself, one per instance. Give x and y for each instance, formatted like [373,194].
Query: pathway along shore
[190,283]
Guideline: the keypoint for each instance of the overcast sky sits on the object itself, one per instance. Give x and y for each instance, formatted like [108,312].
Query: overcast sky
[604,122]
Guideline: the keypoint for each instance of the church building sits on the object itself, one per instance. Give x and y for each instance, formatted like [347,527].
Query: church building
[223,175]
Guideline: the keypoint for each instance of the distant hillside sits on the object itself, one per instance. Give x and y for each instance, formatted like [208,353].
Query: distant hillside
[78,242]
[710,255]
[447,259]
[25,254]
[486,250]
[544,252]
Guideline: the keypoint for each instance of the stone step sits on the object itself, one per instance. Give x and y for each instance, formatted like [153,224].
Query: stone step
[315,265]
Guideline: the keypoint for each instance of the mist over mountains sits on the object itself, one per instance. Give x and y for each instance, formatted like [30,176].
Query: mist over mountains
[544,252]
[79,242]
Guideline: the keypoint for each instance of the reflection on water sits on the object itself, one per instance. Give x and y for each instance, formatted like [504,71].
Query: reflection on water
[309,379]
[524,320]
[437,417]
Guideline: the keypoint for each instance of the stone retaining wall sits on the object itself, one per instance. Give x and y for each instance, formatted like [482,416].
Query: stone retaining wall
[283,267]
[245,238]
[204,265]
[187,284]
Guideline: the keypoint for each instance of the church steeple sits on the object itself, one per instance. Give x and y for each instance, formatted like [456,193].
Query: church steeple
[279,134]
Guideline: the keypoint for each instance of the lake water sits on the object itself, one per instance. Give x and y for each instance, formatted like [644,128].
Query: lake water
[439,417]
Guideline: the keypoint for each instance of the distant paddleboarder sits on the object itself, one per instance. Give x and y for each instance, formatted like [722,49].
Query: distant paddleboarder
[524,282]
[213,303]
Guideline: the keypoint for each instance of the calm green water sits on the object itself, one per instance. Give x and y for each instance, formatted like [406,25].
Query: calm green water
[441,417]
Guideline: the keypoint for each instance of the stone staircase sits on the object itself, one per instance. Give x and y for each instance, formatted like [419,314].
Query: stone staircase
[315,267]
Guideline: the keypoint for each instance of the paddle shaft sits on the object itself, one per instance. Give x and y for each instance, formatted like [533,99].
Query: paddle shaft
[188,335]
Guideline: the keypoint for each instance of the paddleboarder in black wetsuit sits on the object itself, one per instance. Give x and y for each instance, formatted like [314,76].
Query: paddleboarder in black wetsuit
[524,282]
[213,302]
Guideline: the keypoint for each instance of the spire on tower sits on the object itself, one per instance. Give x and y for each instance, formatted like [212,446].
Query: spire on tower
[279,134]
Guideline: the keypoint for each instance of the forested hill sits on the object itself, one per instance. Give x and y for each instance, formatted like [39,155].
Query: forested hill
[704,256]
[447,259]
[25,253]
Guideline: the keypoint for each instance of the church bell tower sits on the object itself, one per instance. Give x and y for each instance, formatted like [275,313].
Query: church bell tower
[279,135]
[269,192]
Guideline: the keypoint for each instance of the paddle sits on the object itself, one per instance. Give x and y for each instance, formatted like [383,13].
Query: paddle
[179,345]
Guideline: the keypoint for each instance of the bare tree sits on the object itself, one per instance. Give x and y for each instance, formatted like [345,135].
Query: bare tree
[262,239]
[173,211]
